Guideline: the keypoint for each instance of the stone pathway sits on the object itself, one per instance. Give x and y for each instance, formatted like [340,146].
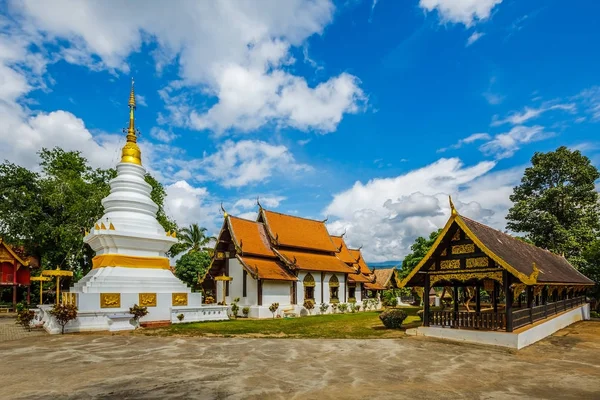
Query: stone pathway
[11,331]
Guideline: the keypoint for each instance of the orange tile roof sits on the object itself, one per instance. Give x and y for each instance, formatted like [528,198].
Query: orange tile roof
[384,275]
[298,232]
[374,286]
[315,262]
[364,268]
[266,269]
[343,254]
[250,236]
[358,278]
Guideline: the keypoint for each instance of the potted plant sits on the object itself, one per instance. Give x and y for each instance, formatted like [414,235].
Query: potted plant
[273,308]
[309,305]
[342,307]
[235,308]
[323,308]
[138,312]
[246,311]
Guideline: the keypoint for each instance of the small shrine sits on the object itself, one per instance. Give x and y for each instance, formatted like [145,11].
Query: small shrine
[15,272]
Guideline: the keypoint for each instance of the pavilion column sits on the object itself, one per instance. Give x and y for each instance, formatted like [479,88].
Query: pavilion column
[545,295]
[529,296]
[426,289]
[455,300]
[14,296]
[478,297]
[495,296]
[508,294]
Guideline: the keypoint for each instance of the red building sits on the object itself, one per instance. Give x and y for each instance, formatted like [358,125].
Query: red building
[15,270]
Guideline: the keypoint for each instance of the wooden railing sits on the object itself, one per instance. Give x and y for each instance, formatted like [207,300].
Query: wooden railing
[528,316]
[462,319]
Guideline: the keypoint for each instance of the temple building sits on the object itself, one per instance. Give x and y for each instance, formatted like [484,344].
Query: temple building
[283,259]
[532,292]
[15,271]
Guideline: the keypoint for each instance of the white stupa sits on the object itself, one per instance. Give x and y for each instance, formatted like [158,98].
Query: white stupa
[130,266]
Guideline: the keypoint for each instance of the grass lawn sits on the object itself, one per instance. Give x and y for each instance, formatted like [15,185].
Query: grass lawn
[332,326]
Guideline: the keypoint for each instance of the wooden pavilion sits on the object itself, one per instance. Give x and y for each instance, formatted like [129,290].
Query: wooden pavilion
[525,283]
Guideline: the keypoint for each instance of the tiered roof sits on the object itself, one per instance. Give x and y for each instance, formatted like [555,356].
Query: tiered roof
[277,244]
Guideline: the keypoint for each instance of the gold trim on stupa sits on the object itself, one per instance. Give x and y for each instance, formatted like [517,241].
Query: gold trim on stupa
[131,152]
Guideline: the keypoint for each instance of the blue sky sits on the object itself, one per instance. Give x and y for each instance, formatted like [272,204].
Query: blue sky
[367,112]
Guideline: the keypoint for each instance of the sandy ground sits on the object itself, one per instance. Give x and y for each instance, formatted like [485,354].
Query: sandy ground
[564,366]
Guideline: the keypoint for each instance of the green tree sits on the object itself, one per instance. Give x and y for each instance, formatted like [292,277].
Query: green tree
[158,195]
[192,239]
[556,204]
[591,266]
[419,250]
[192,266]
[48,212]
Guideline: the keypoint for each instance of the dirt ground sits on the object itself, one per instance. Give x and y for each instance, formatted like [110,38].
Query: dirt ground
[564,366]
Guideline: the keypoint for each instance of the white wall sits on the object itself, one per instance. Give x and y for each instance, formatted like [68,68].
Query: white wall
[276,292]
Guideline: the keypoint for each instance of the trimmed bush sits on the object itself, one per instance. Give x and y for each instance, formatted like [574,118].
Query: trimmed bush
[309,305]
[392,319]
[246,311]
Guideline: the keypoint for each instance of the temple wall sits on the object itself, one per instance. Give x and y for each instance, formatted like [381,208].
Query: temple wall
[341,290]
[276,292]
[236,285]
[300,288]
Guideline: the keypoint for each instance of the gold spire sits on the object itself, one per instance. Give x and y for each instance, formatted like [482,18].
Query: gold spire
[131,153]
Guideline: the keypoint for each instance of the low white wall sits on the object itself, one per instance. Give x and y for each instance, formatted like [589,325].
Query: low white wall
[201,313]
[509,339]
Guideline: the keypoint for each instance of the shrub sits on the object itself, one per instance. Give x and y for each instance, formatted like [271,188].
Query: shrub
[246,311]
[420,314]
[235,308]
[392,319]
[343,307]
[63,314]
[594,314]
[273,308]
[180,317]
[309,305]
[24,318]
[138,312]
[323,308]
[209,300]
[365,304]
[354,307]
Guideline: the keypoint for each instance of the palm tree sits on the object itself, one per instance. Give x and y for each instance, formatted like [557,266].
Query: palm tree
[193,238]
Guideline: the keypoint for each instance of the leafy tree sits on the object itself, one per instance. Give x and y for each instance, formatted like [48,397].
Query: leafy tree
[419,250]
[158,195]
[191,266]
[48,211]
[556,204]
[591,266]
[193,238]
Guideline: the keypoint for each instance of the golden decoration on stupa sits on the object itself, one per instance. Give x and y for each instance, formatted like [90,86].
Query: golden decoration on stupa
[131,152]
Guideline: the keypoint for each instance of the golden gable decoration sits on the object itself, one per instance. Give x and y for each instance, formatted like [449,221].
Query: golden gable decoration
[147,299]
[180,299]
[456,236]
[110,300]
[477,262]
[450,264]
[463,249]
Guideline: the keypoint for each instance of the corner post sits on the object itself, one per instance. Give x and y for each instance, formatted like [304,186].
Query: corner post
[508,295]
[478,297]
[426,290]
[530,302]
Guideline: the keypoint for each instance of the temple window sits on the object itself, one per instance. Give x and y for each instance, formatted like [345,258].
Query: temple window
[334,289]
[309,287]
[351,291]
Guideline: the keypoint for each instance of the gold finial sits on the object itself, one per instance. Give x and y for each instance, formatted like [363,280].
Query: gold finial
[225,215]
[452,209]
[131,152]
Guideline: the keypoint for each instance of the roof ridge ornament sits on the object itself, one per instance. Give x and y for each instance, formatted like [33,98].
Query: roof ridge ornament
[225,215]
[131,152]
[258,203]
[325,220]
[452,208]
[343,234]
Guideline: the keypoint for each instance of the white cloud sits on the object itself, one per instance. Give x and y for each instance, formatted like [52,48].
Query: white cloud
[518,118]
[231,50]
[467,12]
[140,100]
[590,99]
[247,162]
[162,135]
[188,204]
[265,201]
[474,37]
[385,215]
[506,144]
[469,139]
